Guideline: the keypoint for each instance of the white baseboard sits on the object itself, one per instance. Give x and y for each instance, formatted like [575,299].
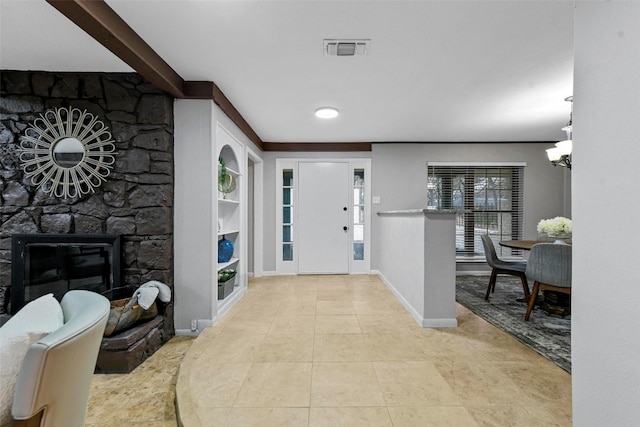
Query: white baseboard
[186,333]
[439,323]
[202,323]
[425,323]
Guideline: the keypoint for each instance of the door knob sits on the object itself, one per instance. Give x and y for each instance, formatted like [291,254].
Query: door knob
[344,209]
[345,228]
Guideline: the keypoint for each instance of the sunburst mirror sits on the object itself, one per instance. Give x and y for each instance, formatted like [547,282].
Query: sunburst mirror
[67,152]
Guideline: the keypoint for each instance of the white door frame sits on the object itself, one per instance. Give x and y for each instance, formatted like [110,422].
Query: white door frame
[291,267]
[258,211]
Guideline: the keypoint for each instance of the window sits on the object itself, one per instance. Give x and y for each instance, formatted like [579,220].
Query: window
[490,198]
[287,215]
[358,214]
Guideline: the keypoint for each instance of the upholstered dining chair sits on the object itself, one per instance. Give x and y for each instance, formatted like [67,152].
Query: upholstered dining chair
[512,268]
[52,389]
[549,267]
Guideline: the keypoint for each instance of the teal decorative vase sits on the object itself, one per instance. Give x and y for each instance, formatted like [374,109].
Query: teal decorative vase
[225,250]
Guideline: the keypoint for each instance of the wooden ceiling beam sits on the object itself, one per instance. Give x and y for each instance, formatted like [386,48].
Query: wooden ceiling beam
[102,23]
[209,90]
[316,146]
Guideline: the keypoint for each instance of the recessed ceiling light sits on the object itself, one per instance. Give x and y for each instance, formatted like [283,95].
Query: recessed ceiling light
[326,112]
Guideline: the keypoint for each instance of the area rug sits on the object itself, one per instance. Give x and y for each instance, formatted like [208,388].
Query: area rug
[549,336]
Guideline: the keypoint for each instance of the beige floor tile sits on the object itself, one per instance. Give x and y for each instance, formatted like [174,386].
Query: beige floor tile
[284,384]
[301,295]
[462,310]
[479,383]
[331,279]
[368,295]
[305,279]
[258,309]
[341,348]
[502,350]
[339,384]
[358,278]
[393,347]
[445,344]
[137,424]
[231,348]
[330,295]
[378,306]
[235,374]
[413,384]
[335,307]
[268,417]
[337,324]
[436,416]
[286,348]
[387,323]
[541,382]
[246,323]
[209,417]
[297,307]
[351,417]
[338,286]
[293,324]
[489,416]
[222,384]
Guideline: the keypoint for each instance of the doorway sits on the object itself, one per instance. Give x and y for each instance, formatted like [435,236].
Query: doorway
[322,216]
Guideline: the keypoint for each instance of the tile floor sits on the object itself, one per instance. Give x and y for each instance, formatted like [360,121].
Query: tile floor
[342,351]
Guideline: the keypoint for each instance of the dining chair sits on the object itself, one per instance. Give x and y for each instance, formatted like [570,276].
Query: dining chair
[512,268]
[549,267]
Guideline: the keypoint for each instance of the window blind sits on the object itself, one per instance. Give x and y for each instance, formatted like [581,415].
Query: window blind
[490,199]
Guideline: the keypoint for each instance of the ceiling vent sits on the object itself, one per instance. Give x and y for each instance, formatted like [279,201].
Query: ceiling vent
[334,47]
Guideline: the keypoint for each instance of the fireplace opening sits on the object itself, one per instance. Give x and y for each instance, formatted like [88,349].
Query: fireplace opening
[58,263]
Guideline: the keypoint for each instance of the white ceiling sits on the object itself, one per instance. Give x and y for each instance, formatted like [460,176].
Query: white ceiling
[436,70]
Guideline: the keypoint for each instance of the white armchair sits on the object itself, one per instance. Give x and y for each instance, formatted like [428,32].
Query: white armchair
[52,389]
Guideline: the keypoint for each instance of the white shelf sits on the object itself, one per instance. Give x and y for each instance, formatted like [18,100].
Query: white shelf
[225,232]
[225,304]
[230,214]
[224,265]
[229,201]
[230,171]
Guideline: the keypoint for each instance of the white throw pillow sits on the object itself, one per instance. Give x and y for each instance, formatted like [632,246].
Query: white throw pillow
[35,320]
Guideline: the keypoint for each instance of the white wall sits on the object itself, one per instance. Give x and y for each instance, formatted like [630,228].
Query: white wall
[269,262]
[399,174]
[400,171]
[195,212]
[606,278]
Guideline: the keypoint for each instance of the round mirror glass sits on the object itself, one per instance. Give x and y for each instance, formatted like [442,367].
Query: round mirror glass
[68,152]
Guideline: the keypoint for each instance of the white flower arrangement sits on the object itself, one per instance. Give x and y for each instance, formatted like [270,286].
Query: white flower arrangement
[558,226]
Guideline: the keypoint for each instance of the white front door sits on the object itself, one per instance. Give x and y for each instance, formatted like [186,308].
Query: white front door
[323,217]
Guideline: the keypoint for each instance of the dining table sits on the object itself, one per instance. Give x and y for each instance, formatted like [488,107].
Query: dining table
[521,244]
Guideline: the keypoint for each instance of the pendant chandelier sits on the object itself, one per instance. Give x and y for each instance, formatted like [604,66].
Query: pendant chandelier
[560,155]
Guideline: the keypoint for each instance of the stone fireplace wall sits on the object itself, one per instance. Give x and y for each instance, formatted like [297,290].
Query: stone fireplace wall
[136,202]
